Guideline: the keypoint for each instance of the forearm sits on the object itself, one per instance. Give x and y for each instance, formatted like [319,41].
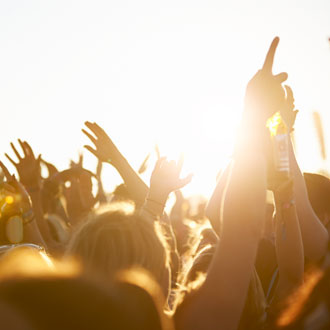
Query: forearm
[101,196]
[155,203]
[222,297]
[153,211]
[289,250]
[212,210]
[314,235]
[135,185]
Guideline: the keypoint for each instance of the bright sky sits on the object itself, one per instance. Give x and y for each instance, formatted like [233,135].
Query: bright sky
[168,72]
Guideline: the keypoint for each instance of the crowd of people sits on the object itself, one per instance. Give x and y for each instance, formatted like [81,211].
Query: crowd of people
[71,258]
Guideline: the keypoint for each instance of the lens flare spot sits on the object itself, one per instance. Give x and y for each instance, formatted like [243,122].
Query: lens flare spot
[9,199]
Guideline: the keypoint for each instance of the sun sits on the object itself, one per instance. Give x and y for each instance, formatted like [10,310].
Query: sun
[207,146]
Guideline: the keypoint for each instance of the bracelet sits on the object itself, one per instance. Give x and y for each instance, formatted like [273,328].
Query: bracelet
[151,200]
[289,204]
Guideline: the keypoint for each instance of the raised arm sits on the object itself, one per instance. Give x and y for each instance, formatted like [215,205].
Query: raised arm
[212,210]
[106,151]
[31,233]
[219,302]
[314,234]
[101,196]
[28,169]
[165,179]
[289,245]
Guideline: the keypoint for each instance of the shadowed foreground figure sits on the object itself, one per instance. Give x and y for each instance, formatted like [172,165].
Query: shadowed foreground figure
[50,299]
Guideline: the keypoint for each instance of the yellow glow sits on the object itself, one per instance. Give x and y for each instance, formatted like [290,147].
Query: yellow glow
[9,199]
[29,261]
[273,123]
[206,142]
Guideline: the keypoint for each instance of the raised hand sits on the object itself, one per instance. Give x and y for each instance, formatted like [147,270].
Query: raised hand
[105,149]
[288,112]
[28,166]
[165,178]
[21,199]
[9,177]
[21,203]
[264,93]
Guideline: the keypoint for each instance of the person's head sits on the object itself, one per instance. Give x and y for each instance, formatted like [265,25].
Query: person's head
[121,194]
[38,292]
[115,240]
[55,298]
[318,188]
[26,259]
[79,303]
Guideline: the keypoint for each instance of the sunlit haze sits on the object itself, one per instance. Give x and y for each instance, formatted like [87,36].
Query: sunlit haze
[171,73]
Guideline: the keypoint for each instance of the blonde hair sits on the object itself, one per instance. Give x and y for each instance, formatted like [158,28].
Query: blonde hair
[116,240]
[28,260]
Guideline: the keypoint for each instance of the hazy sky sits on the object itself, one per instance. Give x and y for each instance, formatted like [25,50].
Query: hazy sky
[168,72]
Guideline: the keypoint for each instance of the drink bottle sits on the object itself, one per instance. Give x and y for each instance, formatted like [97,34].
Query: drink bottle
[280,145]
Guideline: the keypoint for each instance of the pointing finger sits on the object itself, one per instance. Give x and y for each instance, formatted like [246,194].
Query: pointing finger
[269,60]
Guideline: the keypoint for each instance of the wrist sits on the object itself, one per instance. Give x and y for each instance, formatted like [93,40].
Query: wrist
[116,160]
[157,198]
[157,195]
[155,204]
